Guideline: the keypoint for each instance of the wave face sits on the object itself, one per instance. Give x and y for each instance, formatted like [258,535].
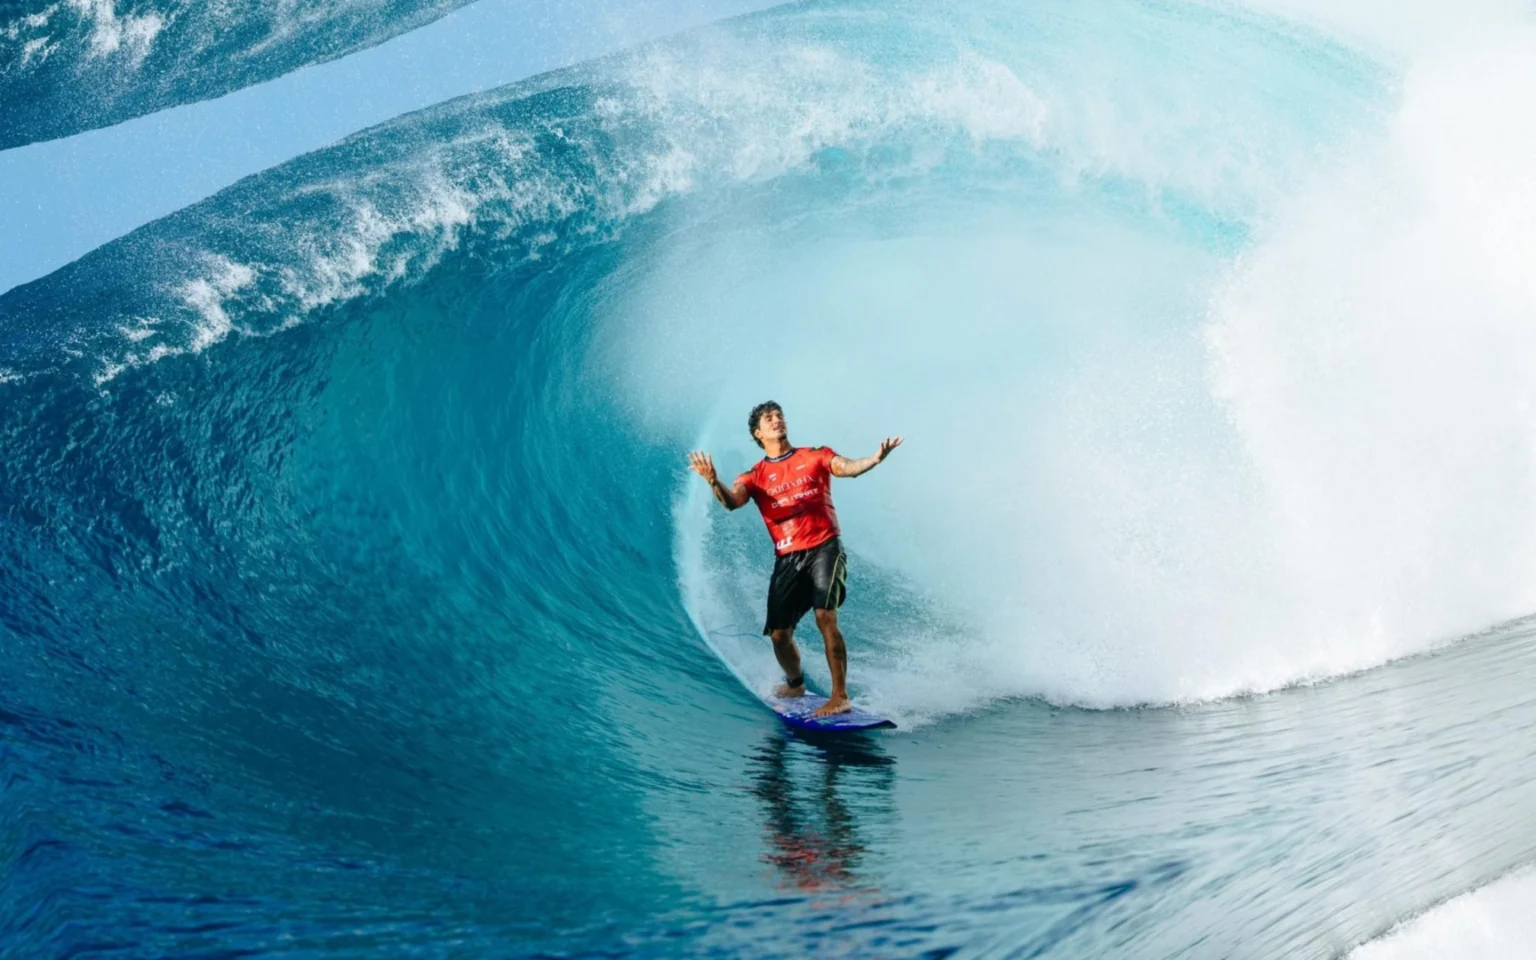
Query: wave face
[67,66]
[356,595]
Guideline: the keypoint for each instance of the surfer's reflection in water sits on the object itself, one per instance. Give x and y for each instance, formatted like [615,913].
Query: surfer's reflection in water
[816,794]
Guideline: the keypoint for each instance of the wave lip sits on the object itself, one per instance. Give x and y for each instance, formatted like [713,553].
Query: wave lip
[67,66]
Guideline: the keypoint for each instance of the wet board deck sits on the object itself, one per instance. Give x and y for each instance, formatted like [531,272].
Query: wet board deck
[796,712]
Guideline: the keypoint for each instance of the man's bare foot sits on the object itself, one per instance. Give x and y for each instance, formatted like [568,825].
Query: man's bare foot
[832,706]
[785,691]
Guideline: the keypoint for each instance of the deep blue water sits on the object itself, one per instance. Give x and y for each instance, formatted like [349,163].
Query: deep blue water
[356,600]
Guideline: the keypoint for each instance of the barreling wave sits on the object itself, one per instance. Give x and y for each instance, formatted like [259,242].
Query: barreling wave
[657,206]
[347,505]
[67,66]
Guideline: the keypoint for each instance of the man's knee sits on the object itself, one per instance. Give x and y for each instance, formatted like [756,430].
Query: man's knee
[781,637]
[826,619]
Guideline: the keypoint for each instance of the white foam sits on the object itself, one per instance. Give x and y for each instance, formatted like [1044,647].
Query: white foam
[35,50]
[1005,593]
[142,329]
[1375,353]
[31,21]
[1342,473]
[209,294]
[781,103]
[132,35]
[1407,31]
[339,264]
[32,32]
[40,18]
[1497,922]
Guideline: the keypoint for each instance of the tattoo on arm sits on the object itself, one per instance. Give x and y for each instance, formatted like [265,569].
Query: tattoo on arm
[843,467]
[729,498]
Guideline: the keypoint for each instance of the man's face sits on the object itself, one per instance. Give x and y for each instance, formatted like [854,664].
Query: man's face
[770,426]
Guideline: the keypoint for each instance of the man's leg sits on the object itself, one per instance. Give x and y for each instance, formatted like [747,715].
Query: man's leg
[789,662]
[837,662]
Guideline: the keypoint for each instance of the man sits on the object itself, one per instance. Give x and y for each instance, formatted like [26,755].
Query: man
[792,487]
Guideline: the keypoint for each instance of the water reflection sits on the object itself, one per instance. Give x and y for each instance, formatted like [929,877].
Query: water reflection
[820,796]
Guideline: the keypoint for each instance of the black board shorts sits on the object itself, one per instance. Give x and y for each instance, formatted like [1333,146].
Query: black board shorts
[817,577]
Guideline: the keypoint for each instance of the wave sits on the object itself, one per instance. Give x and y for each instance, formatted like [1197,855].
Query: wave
[350,502]
[67,66]
[1070,297]
[1043,254]
[1176,487]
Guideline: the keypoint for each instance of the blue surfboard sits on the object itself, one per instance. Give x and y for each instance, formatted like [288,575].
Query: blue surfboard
[796,712]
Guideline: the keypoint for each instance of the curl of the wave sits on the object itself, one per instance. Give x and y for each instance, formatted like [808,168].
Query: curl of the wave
[1023,237]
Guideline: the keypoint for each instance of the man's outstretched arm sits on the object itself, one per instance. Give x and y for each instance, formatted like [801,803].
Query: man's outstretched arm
[704,465]
[843,467]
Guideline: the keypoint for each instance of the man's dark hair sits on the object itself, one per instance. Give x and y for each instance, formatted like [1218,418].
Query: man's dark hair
[757,414]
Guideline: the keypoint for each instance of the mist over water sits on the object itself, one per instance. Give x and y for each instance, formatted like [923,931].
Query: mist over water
[1169,456]
[354,560]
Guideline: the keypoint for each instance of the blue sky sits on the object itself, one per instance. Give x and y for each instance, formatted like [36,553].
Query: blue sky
[62,199]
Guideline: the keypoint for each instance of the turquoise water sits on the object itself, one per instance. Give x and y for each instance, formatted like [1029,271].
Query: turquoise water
[358,600]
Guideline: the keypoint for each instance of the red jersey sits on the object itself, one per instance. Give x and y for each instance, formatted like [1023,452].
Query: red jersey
[794,493]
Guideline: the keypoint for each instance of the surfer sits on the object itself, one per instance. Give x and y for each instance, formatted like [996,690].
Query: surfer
[792,487]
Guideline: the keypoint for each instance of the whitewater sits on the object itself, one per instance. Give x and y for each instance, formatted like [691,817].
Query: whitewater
[357,598]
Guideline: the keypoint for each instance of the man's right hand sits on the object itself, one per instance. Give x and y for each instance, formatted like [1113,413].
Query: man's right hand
[703,465]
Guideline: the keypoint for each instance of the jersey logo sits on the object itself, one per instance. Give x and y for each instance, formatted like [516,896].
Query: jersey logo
[772,477]
[781,544]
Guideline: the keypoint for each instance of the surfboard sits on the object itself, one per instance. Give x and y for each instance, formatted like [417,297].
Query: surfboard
[796,712]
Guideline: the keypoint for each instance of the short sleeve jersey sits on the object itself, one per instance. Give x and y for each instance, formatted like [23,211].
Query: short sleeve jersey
[794,493]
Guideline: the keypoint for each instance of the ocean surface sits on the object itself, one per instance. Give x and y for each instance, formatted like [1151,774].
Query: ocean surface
[355,599]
